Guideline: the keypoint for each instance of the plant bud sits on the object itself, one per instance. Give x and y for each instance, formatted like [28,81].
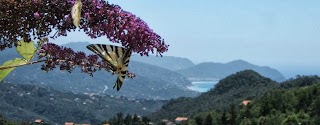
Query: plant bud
[76,13]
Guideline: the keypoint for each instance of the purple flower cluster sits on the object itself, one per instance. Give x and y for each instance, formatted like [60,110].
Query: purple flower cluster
[37,18]
[121,26]
[67,59]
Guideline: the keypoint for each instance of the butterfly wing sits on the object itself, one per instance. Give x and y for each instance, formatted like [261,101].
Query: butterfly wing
[125,58]
[104,52]
[117,57]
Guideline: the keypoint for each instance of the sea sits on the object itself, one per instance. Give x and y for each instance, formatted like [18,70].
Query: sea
[202,86]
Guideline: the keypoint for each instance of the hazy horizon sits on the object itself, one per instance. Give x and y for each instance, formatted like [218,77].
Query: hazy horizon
[283,35]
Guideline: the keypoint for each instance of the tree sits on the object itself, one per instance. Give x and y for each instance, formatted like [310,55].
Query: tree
[233,114]
[145,120]
[291,120]
[25,21]
[224,118]
[316,107]
[120,119]
[208,120]
[246,122]
[162,123]
[128,120]
[198,120]
[135,120]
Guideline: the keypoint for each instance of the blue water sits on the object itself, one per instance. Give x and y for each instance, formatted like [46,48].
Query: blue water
[202,86]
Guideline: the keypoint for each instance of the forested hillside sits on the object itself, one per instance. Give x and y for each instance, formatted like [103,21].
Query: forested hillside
[26,103]
[293,106]
[246,84]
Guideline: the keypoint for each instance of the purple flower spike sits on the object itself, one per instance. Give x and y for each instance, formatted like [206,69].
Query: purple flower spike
[98,19]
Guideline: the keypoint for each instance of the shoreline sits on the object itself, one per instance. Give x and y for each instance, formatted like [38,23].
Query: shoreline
[202,86]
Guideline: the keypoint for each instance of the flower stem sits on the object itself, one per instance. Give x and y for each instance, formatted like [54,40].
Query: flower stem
[28,63]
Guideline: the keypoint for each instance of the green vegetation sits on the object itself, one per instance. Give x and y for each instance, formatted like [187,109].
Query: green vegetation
[295,101]
[119,119]
[27,103]
[300,81]
[294,106]
[5,121]
[26,50]
[233,89]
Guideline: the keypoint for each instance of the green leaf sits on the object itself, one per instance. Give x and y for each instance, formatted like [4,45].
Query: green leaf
[26,50]
[5,72]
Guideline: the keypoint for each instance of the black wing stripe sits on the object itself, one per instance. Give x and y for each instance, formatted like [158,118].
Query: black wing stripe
[111,53]
[127,53]
[123,76]
[93,49]
[126,63]
[105,48]
[117,53]
[126,57]
[96,49]
[119,82]
[99,49]
[123,52]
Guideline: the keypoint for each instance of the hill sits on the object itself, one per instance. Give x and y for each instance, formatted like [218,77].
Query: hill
[152,82]
[78,46]
[167,62]
[211,70]
[27,102]
[285,106]
[246,84]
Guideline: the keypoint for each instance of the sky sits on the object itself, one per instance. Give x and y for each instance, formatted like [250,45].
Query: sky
[282,34]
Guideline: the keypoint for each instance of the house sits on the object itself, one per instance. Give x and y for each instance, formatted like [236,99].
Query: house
[68,123]
[181,119]
[38,121]
[246,102]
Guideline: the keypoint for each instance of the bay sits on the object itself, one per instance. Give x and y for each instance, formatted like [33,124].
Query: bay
[202,86]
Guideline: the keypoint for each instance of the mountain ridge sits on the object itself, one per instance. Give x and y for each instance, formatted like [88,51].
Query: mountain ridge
[214,70]
[193,71]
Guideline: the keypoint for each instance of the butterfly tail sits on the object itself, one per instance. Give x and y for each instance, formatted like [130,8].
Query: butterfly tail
[119,81]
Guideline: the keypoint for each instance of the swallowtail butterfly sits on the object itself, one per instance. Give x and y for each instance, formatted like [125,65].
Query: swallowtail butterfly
[116,57]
